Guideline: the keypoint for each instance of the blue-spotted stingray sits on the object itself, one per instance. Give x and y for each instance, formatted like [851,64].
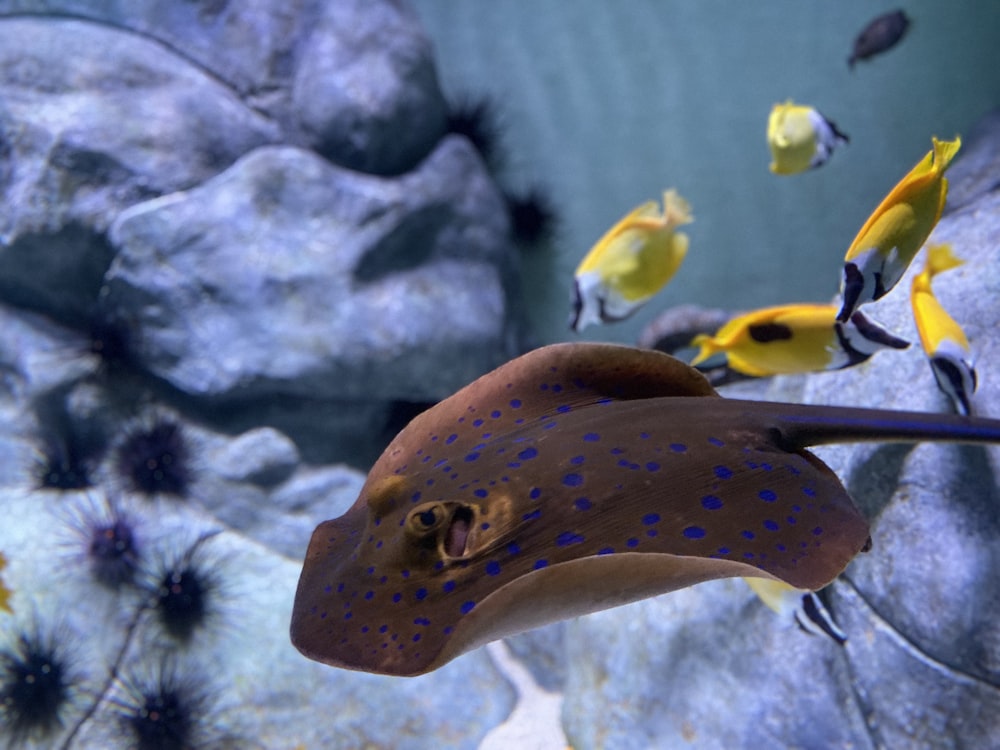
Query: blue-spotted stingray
[572,479]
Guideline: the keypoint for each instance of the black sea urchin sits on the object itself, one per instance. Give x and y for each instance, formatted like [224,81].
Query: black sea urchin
[532,217]
[476,119]
[109,542]
[35,689]
[154,459]
[163,710]
[184,592]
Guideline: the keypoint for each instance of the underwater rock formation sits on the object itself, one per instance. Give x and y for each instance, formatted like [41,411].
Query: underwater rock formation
[288,275]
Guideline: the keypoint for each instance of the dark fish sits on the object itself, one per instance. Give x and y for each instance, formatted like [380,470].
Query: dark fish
[879,36]
[576,478]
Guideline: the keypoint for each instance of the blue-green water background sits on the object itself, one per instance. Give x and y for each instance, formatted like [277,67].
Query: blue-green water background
[608,103]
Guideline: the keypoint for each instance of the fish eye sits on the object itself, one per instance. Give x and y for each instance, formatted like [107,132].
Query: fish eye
[425,518]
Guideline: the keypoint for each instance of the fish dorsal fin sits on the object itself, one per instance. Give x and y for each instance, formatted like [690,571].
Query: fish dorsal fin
[547,381]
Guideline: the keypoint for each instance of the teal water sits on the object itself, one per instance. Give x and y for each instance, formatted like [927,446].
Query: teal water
[607,103]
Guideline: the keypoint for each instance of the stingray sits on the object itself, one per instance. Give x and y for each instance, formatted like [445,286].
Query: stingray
[572,479]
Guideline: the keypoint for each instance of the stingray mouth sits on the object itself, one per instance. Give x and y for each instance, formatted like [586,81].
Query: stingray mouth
[456,538]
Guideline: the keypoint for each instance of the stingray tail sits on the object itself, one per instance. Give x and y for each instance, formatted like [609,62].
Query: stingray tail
[802,425]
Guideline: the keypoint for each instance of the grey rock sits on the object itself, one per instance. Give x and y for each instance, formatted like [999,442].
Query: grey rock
[262,456]
[375,288]
[365,90]
[93,120]
[353,80]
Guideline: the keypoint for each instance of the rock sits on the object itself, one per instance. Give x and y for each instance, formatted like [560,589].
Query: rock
[372,288]
[93,120]
[262,456]
[352,80]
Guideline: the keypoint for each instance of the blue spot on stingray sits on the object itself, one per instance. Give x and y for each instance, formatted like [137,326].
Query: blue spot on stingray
[467,607]
[513,548]
[723,550]
[441,462]
[451,439]
[495,414]
[604,401]
[766,466]
[421,621]
[780,547]
[478,422]
[397,597]
[591,437]
[371,569]
[481,492]
[535,492]
[484,525]
[369,594]
[748,534]
[818,530]
[548,425]
[770,525]
[632,542]
[493,568]
[716,442]
[539,564]
[796,509]
[532,516]
[650,518]
[415,497]
[617,451]
[767,496]
[383,628]
[513,464]
[791,519]
[748,555]
[652,466]
[577,460]
[567,538]
[606,551]
[556,388]
[572,480]
[405,573]
[723,472]
[340,588]
[448,587]
[563,408]
[420,593]
[809,491]
[694,532]
[515,403]
[472,456]
[527,454]
[582,503]
[348,616]
[678,447]
[711,502]
[652,533]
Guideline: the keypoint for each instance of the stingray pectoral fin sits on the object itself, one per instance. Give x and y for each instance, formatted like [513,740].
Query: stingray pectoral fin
[575,588]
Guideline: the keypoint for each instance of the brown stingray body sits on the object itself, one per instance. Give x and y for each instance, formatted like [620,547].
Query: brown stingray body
[572,479]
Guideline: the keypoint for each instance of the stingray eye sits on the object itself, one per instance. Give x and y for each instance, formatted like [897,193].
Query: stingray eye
[425,518]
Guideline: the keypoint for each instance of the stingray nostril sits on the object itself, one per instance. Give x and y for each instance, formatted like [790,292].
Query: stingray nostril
[458,532]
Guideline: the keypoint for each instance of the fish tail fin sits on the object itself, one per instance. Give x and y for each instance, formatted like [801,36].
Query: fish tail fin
[941,258]
[801,425]
[944,152]
[676,210]
[708,345]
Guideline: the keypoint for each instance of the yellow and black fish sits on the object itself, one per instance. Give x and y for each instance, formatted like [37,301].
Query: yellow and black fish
[796,338]
[631,262]
[944,341]
[894,233]
[800,138]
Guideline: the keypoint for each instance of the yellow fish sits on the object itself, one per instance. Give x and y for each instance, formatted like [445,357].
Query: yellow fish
[631,263]
[943,339]
[795,338]
[893,234]
[4,591]
[800,138]
[803,605]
